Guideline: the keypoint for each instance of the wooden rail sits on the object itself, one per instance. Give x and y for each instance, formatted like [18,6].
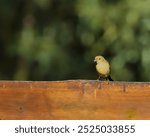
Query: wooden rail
[74,99]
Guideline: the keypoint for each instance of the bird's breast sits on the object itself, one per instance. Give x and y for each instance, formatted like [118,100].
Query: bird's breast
[103,69]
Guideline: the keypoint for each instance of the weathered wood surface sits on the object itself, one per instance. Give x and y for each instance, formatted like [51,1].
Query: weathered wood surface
[76,99]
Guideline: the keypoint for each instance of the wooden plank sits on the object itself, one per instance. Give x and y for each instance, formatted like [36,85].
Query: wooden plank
[74,99]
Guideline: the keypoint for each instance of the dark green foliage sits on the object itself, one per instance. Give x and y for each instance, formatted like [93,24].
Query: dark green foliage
[58,39]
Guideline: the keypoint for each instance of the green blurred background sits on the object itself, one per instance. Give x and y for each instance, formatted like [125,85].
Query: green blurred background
[58,39]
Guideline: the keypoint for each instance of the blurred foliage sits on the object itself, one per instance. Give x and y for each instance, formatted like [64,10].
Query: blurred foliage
[58,39]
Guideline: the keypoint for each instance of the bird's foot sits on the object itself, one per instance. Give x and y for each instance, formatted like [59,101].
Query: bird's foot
[100,78]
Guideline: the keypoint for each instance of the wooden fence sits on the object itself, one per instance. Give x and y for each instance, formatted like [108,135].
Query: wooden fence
[74,99]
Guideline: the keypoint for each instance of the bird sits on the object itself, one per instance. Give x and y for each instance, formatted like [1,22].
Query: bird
[103,68]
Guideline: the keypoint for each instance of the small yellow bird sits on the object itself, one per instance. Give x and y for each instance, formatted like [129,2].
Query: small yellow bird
[103,68]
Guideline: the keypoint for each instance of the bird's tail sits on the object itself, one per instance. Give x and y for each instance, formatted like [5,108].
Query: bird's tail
[109,78]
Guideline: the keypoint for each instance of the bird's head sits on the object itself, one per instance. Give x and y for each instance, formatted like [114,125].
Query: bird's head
[99,59]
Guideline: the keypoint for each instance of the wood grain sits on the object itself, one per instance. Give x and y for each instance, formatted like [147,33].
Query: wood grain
[74,99]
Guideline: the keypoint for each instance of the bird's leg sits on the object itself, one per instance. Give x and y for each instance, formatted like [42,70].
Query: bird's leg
[100,78]
[107,78]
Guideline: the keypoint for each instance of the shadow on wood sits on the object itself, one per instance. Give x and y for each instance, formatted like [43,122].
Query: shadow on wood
[74,99]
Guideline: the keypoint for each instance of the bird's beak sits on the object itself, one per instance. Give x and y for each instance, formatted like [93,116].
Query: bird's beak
[94,60]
